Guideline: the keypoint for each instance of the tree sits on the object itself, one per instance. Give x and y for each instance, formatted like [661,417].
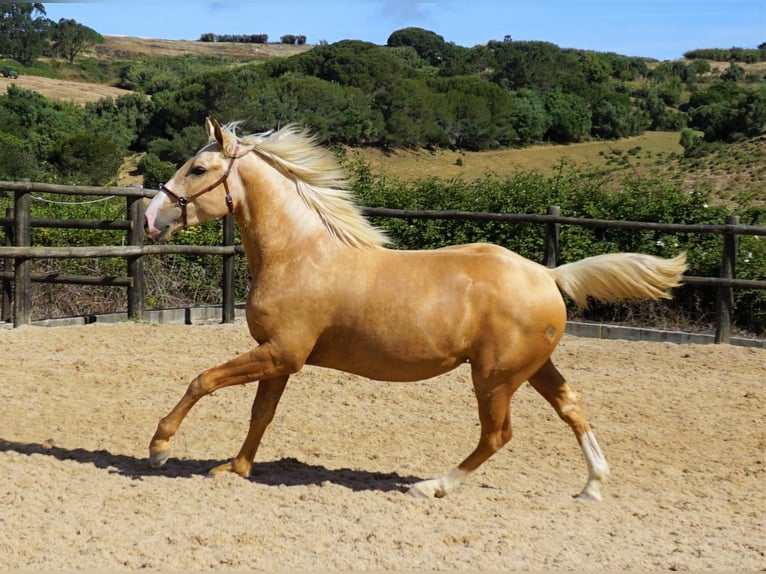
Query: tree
[569,117]
[16,159]
[155,170]
[430,46]
[23,31]
[87,157]
[529,117]
[70,38]
[335,113]
[124,118]
[728,112]
[734,73]
[614,117]
[348,62]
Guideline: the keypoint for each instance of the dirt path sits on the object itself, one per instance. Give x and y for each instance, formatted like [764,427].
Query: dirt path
[683,427]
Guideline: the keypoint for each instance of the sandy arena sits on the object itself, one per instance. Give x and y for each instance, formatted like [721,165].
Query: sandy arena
[682,426]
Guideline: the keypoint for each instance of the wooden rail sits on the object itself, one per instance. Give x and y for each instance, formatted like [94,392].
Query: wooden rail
[18,253]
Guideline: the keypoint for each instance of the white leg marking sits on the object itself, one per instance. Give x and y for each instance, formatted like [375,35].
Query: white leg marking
[438,487]
[598,468]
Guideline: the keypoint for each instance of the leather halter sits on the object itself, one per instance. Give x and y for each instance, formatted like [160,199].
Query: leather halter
[184,201]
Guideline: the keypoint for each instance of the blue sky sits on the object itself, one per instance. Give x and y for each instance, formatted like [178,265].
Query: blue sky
[661,29]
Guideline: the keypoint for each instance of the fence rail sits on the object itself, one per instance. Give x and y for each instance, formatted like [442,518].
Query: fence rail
[17,254]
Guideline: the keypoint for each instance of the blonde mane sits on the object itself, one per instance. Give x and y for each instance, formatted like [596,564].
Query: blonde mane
[320,182]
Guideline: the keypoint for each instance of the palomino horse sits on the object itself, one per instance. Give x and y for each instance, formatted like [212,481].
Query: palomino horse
[326,292]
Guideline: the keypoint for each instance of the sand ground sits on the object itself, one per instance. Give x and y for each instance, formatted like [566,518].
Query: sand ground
[683,427]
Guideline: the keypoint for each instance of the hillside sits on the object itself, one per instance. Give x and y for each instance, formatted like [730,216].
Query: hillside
[125,47]
[120,46]
[65,90]
[733,170]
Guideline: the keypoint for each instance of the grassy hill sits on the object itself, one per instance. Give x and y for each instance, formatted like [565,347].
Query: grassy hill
[737,169]
[127,46]
[733,170]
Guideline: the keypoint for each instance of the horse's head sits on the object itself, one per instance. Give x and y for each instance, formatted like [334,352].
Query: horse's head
[199,190]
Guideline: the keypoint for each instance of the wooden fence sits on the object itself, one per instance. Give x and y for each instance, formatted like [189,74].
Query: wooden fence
[17,254]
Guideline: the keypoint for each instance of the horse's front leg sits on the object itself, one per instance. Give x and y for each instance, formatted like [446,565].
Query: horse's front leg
[264,407]
[262,363]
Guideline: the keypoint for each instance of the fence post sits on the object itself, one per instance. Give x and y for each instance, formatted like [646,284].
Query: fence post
[7,294]
[22,236]
[135,263]
[552,238]
[724,304]
[227,302]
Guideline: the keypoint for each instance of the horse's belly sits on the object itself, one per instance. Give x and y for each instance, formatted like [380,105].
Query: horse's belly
[399,359]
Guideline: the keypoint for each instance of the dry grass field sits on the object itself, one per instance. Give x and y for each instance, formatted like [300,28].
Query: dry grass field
[649,150]
[115,46]
[64,90]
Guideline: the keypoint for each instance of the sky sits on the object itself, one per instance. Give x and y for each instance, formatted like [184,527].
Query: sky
[660,29]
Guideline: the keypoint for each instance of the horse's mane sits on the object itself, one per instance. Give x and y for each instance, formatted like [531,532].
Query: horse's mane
[321,183]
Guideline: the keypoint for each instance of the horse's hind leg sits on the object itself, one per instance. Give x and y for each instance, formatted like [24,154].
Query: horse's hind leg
[551,385]
[495,416]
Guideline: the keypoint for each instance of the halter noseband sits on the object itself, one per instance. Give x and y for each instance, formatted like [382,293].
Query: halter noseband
[184,201]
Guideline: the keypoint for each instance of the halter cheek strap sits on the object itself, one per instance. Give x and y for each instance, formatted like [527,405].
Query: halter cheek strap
[184,201]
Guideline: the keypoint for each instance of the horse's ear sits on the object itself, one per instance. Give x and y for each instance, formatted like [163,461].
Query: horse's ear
[215,132]
[225,139]
[209,129]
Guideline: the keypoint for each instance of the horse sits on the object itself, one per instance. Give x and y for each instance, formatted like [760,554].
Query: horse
[326,291]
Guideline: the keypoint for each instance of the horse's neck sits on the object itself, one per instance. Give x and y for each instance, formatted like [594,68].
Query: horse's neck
[275,224]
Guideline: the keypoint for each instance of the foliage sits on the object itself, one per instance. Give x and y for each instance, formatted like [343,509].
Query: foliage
[87,158]
[65,143]
[69,38]
[424,92]
[163,73]
[728,112]
[569,118]
[23,31]
[155,170]
[241,38]
[25,34]
[429,46]
[293,39]
[728,55]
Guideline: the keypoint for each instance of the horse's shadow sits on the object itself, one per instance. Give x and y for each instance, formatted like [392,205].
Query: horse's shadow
[283,472]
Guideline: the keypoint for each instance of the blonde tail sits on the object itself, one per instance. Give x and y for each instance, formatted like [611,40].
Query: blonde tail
[616,276]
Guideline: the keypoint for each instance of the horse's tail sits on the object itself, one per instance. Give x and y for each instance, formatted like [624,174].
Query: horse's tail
[616,276]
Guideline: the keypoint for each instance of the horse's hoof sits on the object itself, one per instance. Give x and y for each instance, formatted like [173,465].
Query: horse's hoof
[159,454]
[157,460]
[591,493]
[228,467]
[426,490]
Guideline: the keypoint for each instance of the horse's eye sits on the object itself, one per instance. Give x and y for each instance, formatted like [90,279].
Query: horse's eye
[198,170]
